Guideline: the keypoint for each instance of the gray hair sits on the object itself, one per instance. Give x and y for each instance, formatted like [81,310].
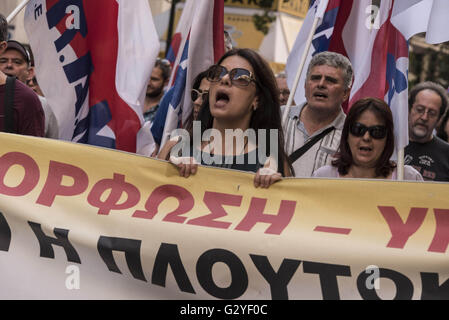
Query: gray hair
[335,60]
[3,28]
[429,85]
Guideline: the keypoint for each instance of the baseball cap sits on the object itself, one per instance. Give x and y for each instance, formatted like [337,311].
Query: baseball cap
[13,44]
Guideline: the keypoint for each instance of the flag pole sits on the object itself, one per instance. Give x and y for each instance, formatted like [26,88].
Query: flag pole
[400,164]
[321,8]
[17,10]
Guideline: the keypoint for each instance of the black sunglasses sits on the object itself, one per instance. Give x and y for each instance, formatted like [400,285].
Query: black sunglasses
[376,132]
[195,94]
[239,77]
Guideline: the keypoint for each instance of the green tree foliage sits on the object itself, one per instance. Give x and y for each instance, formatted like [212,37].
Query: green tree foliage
[262,22]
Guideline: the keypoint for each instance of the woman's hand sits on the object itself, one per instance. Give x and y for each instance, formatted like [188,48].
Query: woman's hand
[186,165]
[265,177]
[166,149]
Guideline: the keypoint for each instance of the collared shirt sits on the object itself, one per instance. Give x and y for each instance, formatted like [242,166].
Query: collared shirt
[321,153]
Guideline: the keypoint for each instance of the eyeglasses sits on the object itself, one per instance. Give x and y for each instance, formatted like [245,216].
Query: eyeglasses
[422,111]
[239,77]
[284,92]
[376,132]
[195,94]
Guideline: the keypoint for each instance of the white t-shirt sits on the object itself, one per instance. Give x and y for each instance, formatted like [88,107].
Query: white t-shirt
[330,171]
[51,123]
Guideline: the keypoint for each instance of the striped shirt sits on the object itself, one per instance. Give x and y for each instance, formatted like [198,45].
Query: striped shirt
[321,153]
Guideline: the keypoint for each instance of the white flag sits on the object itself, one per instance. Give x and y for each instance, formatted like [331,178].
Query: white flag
[415,16]
[93,62]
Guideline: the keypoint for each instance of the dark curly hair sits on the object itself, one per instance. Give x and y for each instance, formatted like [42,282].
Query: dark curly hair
[268,114]
[344,159]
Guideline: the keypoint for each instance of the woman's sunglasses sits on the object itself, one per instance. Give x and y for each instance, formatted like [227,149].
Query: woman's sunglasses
[376,132]
[239,77]
[195,94]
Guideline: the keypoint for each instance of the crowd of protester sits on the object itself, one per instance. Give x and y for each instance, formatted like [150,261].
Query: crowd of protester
[318,139]
[241,92]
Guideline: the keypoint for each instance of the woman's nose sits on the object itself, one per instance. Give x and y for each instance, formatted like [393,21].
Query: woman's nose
[226,80]
[366,136]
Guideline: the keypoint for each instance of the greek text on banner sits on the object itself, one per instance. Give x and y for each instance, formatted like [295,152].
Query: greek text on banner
[83,222]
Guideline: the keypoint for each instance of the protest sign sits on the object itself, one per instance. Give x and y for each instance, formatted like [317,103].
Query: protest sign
[83,222]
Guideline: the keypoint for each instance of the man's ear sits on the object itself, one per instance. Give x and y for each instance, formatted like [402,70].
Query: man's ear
[3,46]
[31,73]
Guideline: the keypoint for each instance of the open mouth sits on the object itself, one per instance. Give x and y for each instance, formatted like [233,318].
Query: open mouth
[421,125]
[320,95]
[366,149]
[222,97]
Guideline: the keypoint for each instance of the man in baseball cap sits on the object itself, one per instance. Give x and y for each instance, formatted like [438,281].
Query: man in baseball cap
[20,109]
[15,61]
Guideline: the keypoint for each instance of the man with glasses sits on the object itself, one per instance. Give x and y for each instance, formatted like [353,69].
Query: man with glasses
[160,75]
[313,129]
[284,91]
[426,152]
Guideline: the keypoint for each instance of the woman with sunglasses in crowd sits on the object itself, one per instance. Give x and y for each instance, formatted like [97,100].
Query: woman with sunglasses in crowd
[366,145]
[242,95]
[200,89]
[198,94]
